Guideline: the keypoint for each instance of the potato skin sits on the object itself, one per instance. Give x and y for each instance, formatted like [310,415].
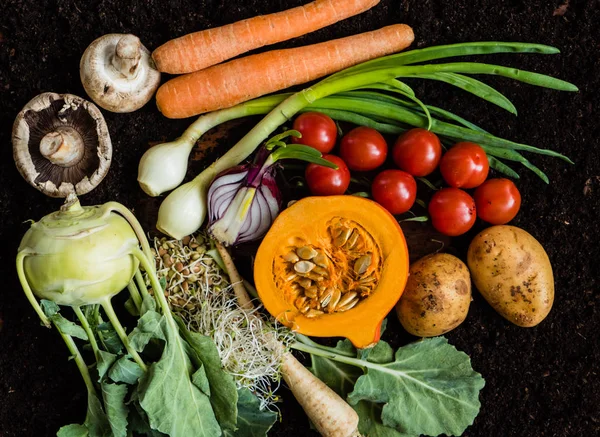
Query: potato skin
[437,296]
[511,270]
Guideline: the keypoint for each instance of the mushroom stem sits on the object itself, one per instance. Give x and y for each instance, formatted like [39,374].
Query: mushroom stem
[63,147]
[127,55]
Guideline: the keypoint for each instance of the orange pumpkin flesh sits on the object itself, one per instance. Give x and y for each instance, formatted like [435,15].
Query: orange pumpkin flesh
[367,270]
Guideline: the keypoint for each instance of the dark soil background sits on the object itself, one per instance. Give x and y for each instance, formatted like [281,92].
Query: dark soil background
[539,382]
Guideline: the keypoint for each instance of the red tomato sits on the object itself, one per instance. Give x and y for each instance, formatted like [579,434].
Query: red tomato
[324,181]
[417,151]
[497,201]
[318,131]
[395,190]
[452,211]
[465,165]
[363,149]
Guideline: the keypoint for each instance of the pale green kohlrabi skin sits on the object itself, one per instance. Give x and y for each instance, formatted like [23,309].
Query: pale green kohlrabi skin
[79,256]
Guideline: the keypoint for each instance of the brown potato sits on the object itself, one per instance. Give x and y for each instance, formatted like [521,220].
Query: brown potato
[513,273]
[437,296]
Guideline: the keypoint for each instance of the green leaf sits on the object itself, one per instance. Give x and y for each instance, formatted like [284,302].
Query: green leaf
[109,338]
[369,423]
[174,405]
[125,370]
[201,381]
[68,327]
[338,376]
[381,353]
[252,421]
[73,430]
[95,420]
[50,308]
[116,410]
[148,302]
[105,360]
[138,420]
[149,326]
[223,391]
[431,380]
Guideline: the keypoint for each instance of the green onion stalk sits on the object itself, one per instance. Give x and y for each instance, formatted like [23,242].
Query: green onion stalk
[368,94]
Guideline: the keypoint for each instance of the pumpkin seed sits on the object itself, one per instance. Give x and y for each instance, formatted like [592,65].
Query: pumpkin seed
[335,298]
[367,279]
[305,282]
[326,298]
[352,240]
[291,277]
[348,306]
[306,252]
[300,301]
[314,277]
[320,271]
[311,292]
[363,290]
[314,313]
[291,257]
[362,264]
[303,266]
[341,239]
[305,308]
[320,260]
[348,297]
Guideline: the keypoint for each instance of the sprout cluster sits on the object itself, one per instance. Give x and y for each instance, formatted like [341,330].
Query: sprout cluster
[198,290]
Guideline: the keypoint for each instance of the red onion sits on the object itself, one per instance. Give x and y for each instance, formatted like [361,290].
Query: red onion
[243,201]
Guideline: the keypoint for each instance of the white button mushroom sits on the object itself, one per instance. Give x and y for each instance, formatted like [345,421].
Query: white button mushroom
[61,144]
[118,72]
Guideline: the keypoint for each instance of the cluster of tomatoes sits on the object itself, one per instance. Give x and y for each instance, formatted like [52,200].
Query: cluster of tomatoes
[416,153]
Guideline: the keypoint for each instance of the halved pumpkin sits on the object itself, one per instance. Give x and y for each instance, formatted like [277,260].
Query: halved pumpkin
[333,267]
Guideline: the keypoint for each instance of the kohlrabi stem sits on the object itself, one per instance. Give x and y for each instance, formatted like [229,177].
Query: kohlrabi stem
[307,341]
[135,294]
[155,283]
[88,330]
[114,320]
[335,356]
[83,369]
[139,278]
[134,223]
[27,289]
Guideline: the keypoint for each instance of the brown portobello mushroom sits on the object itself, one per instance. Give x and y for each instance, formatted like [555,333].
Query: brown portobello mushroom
[61,144]
[118,73]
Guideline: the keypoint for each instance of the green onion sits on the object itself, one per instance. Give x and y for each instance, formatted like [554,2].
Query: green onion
[184,210]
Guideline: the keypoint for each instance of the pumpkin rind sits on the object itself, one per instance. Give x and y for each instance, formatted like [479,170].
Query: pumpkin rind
[306,221]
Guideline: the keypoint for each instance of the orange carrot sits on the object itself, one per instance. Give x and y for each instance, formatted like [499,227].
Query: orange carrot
[233,82]
[203,49]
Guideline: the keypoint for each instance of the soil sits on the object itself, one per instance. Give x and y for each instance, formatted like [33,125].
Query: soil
[541,381]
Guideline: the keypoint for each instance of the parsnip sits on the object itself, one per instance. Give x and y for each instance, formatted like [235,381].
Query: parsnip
[329,413]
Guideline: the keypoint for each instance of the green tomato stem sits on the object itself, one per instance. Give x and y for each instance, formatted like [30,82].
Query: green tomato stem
[114,320]
[88,330]
[27,289]
[83,369]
